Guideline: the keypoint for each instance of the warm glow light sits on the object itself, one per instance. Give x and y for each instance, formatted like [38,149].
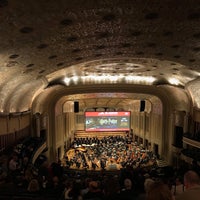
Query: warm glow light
[106,78]
[138,79]
[75,79]
[113,78]
[174,81]
[67,80]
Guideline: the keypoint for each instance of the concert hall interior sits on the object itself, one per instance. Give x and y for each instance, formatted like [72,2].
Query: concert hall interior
[100,85]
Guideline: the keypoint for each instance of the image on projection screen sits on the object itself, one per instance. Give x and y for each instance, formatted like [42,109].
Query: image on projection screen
[107,121]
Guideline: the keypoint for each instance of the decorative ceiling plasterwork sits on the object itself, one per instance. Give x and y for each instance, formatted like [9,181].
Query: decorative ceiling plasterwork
[128,67]
[194,88]
[42,41]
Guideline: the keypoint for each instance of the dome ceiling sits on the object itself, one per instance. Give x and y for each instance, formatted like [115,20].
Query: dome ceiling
[46,42]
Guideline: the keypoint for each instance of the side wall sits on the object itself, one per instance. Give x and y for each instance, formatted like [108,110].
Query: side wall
[13,129]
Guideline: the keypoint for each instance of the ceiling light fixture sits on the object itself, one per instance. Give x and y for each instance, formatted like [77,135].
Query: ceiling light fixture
[174,81]
[67,81]
[106,78]
[140,79]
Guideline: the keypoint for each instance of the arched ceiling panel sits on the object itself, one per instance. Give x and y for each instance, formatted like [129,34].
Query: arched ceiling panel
[49,40]
[19,104]
[174,98]
[194,88]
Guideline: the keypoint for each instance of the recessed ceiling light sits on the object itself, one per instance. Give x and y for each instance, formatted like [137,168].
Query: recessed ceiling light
[174,81]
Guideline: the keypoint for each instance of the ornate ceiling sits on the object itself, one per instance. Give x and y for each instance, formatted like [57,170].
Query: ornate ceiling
[86,42]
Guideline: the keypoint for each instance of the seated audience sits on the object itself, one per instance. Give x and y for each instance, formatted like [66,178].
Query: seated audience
[120,169]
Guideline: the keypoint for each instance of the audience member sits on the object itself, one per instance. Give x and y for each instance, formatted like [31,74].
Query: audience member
[75,192]
[67,191]
[13,165]
[33,186]
[128,192]
[94,192]
[148,183]
[111,188]
[159,191]
[192,186]
[54,187]
[85,188]
[177,187]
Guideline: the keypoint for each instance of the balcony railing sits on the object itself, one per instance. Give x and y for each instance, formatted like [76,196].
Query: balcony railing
[191,141]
